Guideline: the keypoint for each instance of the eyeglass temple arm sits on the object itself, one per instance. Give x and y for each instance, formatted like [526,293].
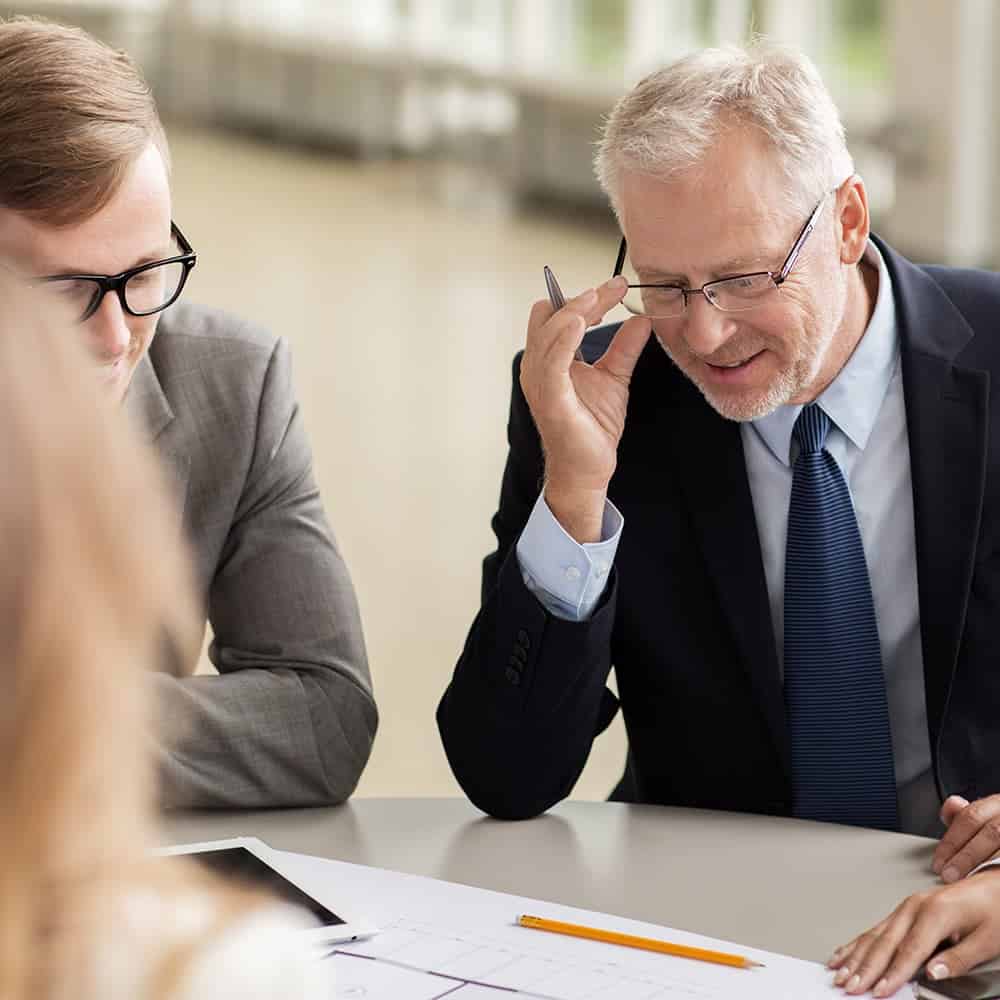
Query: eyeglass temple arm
[793,254]
[182,240]
[620,261]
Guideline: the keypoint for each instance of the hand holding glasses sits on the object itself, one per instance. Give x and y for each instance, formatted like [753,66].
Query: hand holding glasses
[579,409]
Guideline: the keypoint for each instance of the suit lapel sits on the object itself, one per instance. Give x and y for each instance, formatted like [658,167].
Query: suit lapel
[149,408]
[947,414]
[711,471]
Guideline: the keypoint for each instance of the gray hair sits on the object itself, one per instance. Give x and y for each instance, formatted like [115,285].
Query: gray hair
[669,122]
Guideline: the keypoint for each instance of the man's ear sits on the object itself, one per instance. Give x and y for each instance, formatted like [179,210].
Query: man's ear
[853,223]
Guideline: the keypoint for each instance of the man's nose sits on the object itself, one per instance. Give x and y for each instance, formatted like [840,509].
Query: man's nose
[706,328]
[107,330]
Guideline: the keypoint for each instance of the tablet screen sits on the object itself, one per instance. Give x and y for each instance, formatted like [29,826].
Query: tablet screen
[239,863]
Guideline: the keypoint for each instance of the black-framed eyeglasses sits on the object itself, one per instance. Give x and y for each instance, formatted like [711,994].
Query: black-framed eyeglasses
[142,291]
[736,294]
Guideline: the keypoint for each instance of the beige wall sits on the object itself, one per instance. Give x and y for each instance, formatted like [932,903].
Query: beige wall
[404,298]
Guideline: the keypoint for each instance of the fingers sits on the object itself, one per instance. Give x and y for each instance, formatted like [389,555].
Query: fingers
[896,960]
[848,955]
[554,336]
[981,848]
[951,807]
[608,296]
[866,958]
[541,313]
[980,946]
[545,323]
[552,331]
[569,329]
[973,836]
[590,305]
[622,354]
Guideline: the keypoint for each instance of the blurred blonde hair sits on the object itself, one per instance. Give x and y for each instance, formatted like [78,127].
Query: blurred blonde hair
[669,121]
[94,581]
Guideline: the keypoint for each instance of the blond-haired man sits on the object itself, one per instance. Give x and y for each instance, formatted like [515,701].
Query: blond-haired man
[85,216]
[769,499]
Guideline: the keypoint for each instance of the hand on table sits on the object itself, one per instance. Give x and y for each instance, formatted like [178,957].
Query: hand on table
[965,915]
[973,836]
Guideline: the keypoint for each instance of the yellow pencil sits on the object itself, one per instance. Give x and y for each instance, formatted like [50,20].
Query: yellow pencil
[632,941]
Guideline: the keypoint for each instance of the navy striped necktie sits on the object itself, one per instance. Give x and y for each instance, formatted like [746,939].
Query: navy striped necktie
[841,742]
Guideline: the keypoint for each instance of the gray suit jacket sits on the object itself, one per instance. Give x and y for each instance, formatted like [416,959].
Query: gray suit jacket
[290,719]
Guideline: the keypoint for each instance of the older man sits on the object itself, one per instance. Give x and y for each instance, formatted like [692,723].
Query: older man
[776,518]
[85,214]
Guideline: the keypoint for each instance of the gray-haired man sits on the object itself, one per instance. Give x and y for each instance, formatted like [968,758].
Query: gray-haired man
[775,518]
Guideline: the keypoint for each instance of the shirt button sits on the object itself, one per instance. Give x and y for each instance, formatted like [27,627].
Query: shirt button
[572,573]
[601,570]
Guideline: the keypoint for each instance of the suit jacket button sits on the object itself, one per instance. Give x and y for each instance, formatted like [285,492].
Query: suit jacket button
[524,639]
[513,677]
[519,656]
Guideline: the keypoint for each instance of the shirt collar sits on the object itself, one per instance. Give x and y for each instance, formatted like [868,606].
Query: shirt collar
[853,399]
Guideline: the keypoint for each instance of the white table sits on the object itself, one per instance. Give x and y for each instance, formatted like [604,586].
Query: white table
[784,885]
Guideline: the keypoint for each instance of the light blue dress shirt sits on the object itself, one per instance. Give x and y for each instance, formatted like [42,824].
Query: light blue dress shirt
[869,442]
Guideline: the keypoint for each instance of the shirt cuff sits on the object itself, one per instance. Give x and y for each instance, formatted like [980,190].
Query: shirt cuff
[568,578]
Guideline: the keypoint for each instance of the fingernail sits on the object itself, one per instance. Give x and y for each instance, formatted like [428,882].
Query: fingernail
[938,971]
[841,977]
[881,988]
[936,867]
[950,874]
[616,283]
[854,983]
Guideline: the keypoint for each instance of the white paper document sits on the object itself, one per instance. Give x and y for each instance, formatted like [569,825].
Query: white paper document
[464,943]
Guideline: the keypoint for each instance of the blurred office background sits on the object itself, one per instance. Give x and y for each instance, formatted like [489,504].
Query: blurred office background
[381,182]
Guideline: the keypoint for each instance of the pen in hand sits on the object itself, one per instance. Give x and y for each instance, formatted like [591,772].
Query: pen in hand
[557,298]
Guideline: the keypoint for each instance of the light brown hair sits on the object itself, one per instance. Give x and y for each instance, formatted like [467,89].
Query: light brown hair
[74,115]
[93,577]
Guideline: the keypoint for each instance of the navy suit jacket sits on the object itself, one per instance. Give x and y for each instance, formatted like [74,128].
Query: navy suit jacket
[685,620]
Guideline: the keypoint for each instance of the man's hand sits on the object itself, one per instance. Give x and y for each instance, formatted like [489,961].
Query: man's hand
[973,836]
[966,915]
[579,409]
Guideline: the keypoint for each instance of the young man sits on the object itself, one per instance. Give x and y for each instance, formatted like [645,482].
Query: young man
[85,204]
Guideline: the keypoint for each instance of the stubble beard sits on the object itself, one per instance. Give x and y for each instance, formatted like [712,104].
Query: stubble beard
[784,386]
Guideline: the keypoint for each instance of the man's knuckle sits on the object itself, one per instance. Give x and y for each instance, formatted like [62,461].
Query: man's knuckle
[962,861]
[979,812]
[940,908]
[910,953]
[866,940]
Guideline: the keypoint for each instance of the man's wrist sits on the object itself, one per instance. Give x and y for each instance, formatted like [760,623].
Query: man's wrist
[579,512]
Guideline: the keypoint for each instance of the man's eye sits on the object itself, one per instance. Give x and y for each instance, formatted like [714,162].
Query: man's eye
[71,289]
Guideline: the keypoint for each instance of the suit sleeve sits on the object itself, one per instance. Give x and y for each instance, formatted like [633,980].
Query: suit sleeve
[291,718]
[528,694]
